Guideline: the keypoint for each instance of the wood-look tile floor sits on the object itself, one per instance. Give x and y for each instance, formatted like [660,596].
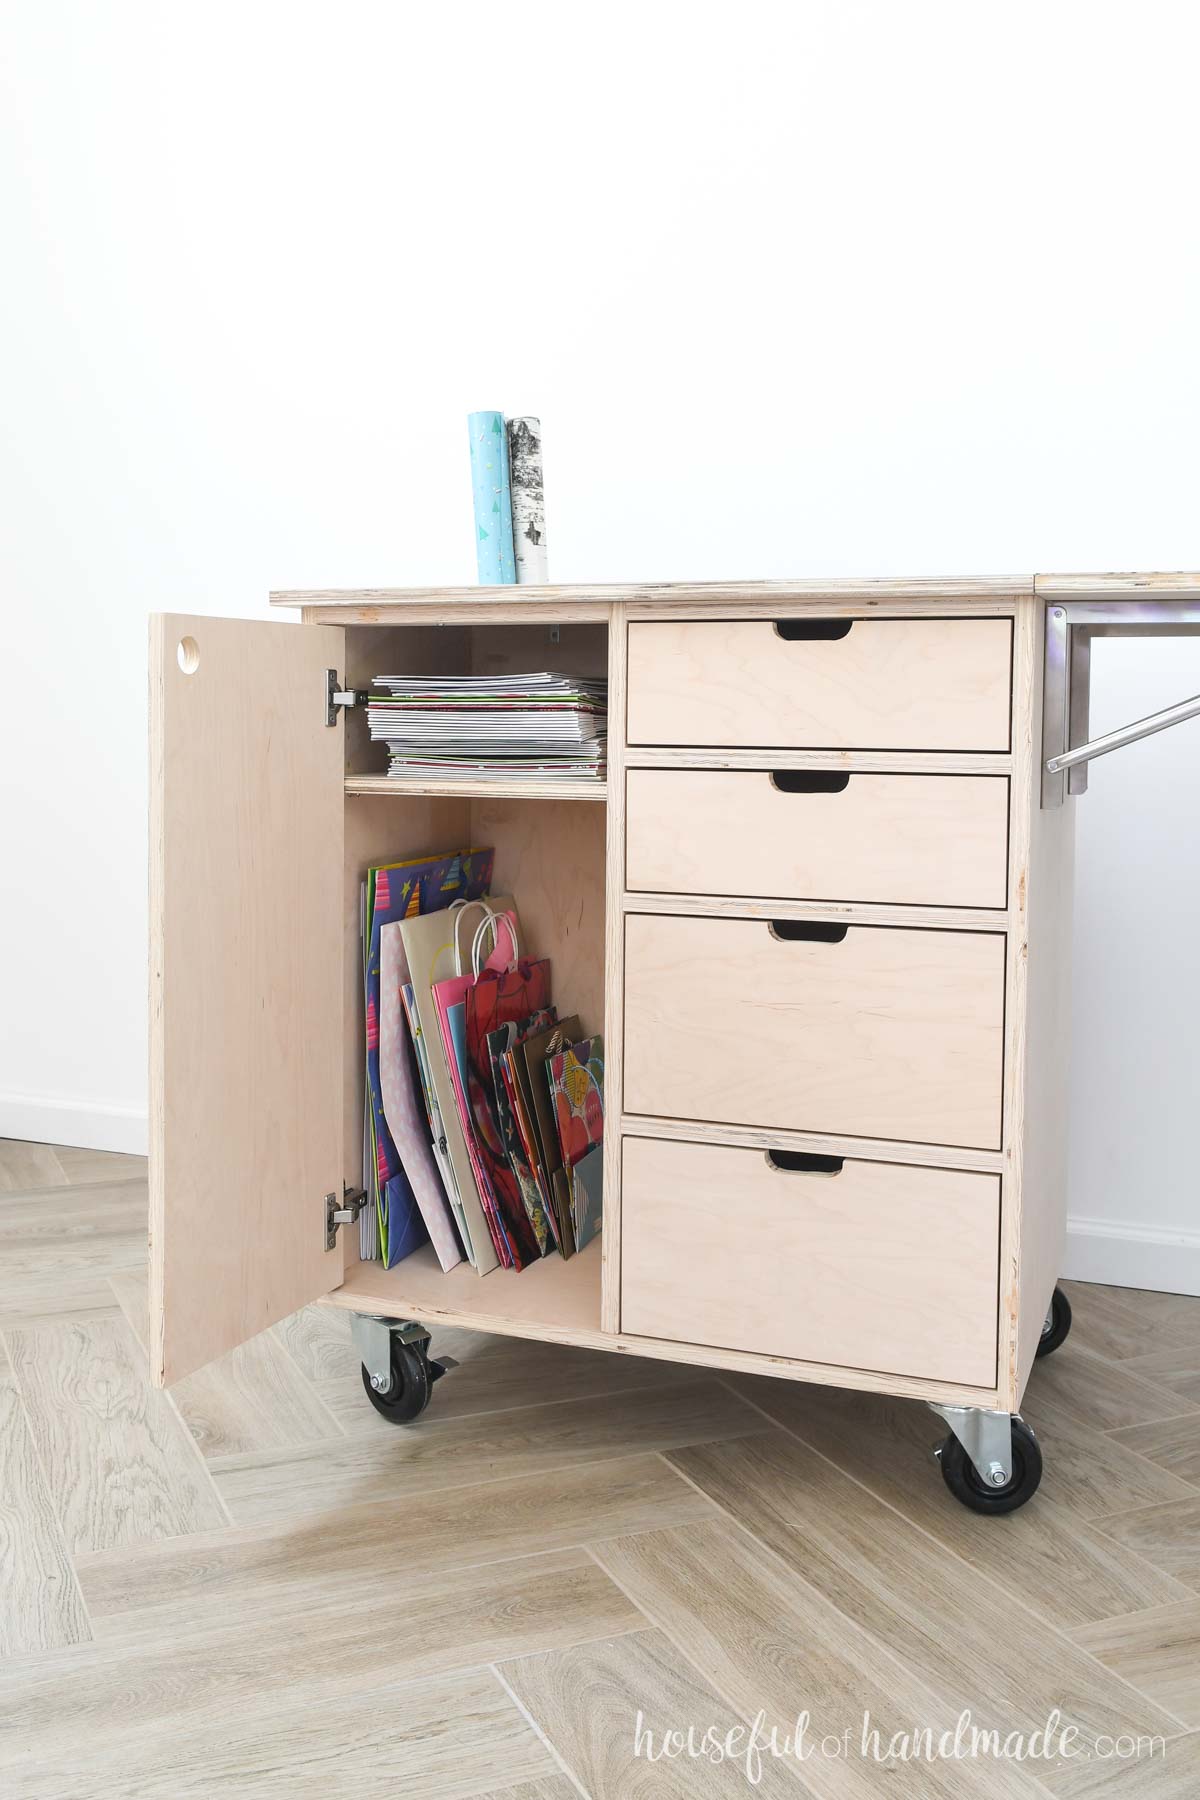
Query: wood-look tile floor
[254,1586]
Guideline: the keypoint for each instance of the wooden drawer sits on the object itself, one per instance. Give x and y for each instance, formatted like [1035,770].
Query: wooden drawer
[879,1266]
[918,840]
[882,1033]
[886,684]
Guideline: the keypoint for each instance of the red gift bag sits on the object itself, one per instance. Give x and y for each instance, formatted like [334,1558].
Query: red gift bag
[501,997]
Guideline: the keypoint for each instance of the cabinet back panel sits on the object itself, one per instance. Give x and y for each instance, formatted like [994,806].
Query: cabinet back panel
[550,857]
[524,649]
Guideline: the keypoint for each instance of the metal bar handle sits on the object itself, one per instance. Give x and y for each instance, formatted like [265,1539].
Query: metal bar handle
[1128,734]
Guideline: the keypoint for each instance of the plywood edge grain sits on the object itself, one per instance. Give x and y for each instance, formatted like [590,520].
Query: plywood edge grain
[869,589]
[1166,585]
[754,1137]
[590,601]
[614,969]
[727,906]
[156,977]
[861,762]
[420,1296]
[396,787]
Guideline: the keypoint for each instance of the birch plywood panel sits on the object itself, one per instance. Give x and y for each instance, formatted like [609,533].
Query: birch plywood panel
[246,999]
[893,1034]
[550,858]
[894,684]
[920,840]
[878,1266]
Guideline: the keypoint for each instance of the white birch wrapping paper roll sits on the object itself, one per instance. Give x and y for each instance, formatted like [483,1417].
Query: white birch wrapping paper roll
[528,499]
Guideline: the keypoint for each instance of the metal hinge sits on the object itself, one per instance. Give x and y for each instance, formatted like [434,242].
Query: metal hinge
[353,1201]
[336,695]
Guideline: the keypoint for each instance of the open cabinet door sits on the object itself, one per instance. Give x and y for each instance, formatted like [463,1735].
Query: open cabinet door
[246,835]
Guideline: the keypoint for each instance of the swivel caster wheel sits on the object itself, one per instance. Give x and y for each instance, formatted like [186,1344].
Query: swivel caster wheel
[1058,1323]
[973,1489]
[412,1377]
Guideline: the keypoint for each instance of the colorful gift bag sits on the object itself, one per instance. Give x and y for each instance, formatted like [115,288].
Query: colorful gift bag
[448,997]
[577,1089]
[404,1106]
[429,945]
[399,891]
[500,997]
[499,1043]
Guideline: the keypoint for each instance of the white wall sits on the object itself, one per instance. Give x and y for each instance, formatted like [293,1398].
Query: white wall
[1135,1067]
[853,288]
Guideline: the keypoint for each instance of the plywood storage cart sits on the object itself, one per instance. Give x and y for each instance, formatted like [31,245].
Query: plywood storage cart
[821,913]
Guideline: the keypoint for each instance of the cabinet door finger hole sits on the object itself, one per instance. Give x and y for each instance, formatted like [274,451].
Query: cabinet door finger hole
[187,653]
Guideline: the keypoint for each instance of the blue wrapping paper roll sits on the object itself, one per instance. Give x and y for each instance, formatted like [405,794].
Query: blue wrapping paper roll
[492,495]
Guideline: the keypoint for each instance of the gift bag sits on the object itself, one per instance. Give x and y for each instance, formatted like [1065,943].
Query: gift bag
[429,947]
[502,996]
[394,891]
[500,1047]
[448,997]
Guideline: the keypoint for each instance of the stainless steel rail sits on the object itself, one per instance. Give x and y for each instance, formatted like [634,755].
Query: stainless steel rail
[1128,734]
[1070,627]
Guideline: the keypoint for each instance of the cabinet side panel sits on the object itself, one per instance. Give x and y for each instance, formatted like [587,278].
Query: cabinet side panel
[1047,1057]
[374,650]
[1042,875]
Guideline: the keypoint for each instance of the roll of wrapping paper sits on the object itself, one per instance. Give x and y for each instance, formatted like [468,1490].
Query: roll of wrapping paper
[528,499]
[493,498]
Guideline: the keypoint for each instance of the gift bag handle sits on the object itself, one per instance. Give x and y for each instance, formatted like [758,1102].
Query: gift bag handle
[456,909]
[460,909]
[493,920]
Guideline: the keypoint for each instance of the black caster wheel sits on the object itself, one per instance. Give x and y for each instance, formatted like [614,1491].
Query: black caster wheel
[1058,1323]
[967,1485]
[413,1376]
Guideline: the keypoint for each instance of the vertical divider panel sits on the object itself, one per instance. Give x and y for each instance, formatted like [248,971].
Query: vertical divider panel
[614,971]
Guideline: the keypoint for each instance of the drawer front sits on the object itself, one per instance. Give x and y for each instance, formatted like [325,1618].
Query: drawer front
[920,840]
[884,1033]
[879,1266]
[887,684]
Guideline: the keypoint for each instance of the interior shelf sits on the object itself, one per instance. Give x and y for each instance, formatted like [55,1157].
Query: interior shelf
[551,1299]
[583,788]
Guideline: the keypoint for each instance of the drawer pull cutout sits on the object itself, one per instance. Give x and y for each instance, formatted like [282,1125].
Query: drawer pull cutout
[806,931]
[812,631]
[809,781]
[803,1162]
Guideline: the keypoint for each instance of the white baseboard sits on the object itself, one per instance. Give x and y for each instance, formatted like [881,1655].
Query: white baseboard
[1119,1253]
[87,1125]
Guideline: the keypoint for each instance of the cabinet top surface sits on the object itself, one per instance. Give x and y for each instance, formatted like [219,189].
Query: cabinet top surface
[588,597]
